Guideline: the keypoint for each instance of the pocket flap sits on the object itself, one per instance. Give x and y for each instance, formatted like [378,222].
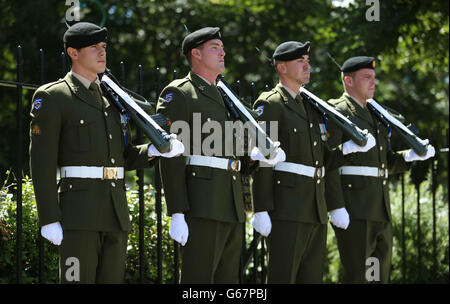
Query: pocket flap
[200,171]
[285,179]
[72,184]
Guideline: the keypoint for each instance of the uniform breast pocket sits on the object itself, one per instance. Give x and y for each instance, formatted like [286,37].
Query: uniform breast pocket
[296,136]
[79,135]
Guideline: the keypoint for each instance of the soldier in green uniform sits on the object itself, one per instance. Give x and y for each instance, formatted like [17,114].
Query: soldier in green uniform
[75,129]
[289,198]
[362,181]
[203,191]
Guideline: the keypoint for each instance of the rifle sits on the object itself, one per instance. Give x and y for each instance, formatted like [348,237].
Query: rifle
[240,112]
[405,133]
[128,105]
[351,129]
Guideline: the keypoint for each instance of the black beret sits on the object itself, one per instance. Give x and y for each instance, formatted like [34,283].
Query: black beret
[84,34]
[200,36]
[291,50]
[357,63]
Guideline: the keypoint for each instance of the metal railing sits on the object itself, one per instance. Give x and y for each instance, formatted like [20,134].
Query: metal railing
[252,252]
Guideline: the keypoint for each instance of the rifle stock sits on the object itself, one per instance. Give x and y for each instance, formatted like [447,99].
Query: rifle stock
[348,127]
[239,111]
[408,137]
[126,104]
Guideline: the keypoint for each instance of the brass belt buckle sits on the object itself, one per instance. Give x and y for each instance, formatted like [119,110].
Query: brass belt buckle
[319,172]
[109,173]
[234,165]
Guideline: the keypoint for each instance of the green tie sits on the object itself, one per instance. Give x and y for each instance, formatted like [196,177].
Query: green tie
[299,101]
[94,88]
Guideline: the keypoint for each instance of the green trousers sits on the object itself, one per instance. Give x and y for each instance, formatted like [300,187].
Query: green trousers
[212,252]
[296,252]
[361,241]
[89,257]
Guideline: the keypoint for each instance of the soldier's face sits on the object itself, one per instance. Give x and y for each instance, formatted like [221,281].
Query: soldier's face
[91,59]
[212,55]
[364,83]
[299,70]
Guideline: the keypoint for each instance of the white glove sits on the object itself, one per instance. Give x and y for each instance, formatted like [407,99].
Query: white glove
[410,155]
[340,218]
[279,156]
[176,148]
[179,230]
[53,232]
[261,222]
[351,147]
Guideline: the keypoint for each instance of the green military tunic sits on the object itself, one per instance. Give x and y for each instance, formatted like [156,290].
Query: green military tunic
[70,127]
[366,198]
[210,198]
[296,203]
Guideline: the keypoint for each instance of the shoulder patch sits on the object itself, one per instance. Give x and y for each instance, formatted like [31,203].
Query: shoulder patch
[37,103]
[168,98]
[260,110]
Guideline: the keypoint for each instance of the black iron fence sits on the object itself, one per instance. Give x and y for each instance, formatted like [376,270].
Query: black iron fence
[252,254]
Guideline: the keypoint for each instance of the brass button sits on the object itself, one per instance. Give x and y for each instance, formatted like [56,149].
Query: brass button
[113,184]
[381,148]
[193,173]
[295,130]
[106,114]
[315,143]
[378,131]
[382,165]
[317,162]
[113,160]
[310,125]
[70,186]
[81,121]
[384,183]
[318,181]
[349,185]
[234,177]
[278,182]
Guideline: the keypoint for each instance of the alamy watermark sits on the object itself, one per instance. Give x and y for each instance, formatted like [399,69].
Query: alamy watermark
[73,271]
[222,139]
[373,12]
[373,270]
[73,12]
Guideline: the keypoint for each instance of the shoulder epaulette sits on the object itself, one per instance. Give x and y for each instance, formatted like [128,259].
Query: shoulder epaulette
[266,95]
[179,82]
[50,84]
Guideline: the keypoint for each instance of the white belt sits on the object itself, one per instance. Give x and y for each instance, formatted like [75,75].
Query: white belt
[300,169]
[363,170]
[214,162]
[92,172]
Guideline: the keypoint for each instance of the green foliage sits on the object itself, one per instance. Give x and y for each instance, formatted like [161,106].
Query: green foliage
[30,252]
[428,273]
